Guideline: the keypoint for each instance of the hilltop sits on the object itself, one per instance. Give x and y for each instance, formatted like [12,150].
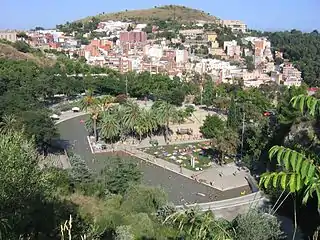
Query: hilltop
[180,13]
[8,51]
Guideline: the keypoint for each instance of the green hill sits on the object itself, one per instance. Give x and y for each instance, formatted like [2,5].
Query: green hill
[179,13]
[11,51]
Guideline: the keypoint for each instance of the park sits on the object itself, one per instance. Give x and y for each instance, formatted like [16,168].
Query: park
[184,165]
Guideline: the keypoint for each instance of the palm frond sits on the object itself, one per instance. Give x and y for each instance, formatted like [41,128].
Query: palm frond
[309,103]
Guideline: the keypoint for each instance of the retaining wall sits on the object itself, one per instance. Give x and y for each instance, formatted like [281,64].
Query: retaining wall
[230,208]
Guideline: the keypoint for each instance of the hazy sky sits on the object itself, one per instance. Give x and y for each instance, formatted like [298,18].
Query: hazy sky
[263,15]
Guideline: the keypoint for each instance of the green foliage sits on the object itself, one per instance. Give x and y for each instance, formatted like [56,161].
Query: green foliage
[234,117]
[22,46]
[79,171]
[144,199]
[301,49]
[29,207]
[257,225]
[119,174]
[297,172]
[212,127]
[310,103]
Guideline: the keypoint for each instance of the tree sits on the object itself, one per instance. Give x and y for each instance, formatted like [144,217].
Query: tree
[257,225]
[39,125]
[212,127]
[28,204]
[226,143]
[297,172]
[165,112]
[119,174]
[233,120]
[130,28]
[22,46]
[110,127]
[79,172]
[91,104]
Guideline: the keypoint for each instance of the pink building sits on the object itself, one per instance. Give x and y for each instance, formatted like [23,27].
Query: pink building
[133,37]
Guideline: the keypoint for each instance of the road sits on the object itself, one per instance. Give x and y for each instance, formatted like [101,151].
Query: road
[180,190]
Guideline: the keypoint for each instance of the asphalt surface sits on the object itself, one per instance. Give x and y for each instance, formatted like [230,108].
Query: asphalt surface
[180,190]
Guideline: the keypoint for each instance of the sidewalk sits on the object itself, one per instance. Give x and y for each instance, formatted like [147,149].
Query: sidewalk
[222,177]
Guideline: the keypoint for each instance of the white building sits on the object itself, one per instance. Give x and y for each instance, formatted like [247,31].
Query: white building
[154,51]
[181,56]
[140,26]
[235,25]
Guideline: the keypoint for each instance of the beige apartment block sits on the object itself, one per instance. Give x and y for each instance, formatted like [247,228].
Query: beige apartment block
[235,25]
[8,35]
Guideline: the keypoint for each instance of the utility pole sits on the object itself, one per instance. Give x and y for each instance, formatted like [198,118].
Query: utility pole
[242,138]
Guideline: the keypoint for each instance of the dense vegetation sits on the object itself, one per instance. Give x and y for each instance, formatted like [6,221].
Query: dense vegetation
[125,207]
[111,204]
[303,49]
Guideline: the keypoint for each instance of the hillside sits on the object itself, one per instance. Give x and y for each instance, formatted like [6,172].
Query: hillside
[9,52]
[180,13]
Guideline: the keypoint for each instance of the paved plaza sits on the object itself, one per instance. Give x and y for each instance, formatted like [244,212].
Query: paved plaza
[182,187]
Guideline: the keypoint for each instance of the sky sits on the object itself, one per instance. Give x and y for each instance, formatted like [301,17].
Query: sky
[270,15]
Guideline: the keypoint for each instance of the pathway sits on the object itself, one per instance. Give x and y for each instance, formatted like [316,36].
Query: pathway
[223,178]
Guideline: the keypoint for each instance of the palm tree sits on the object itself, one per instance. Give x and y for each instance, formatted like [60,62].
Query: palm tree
[106,102]
[165,113]
[151,122]
[91,105]
[131,116]
[110,126]
[180,116]
[8,124]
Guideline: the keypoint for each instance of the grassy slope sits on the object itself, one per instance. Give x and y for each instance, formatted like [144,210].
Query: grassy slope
[181,13]
[9,52]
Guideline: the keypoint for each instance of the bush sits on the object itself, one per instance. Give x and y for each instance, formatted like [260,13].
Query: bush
[257,225]
[22,46]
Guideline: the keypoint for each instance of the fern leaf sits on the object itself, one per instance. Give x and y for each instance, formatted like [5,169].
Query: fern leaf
[298,163]
[298,183]
[275,180]
[312,104]
[283,181]
[293,183]
[311,171]
[267,180]
[273,151]
[305,169]
[279,154]
[286,159]
[293,160]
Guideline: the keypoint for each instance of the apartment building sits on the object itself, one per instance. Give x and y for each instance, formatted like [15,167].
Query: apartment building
[181,56]
[290,72]
[133,37]
[235,25]
[8,35]
[191,33]
[211,36]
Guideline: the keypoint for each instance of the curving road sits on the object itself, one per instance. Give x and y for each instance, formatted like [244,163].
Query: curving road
[180,190]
